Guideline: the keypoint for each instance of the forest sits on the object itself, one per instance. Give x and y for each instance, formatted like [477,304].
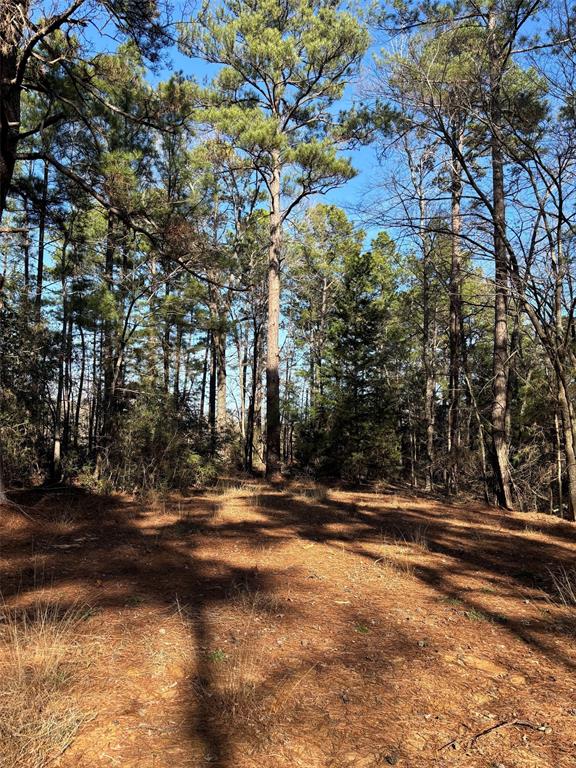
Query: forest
[287,287]
[181,296]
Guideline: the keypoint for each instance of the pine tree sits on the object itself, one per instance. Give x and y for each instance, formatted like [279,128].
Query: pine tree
[284,65]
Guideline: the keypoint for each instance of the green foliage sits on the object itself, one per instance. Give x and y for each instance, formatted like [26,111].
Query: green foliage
[159,447]
[283,67]
[218,656]
[352,430]
[28,359]
[151,205]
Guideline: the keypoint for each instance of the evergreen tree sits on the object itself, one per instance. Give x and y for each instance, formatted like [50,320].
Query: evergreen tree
[284,65]
[360,441]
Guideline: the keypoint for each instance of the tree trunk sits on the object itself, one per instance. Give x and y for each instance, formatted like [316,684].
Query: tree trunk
[481,443]
[41,242]
[286,417]
[207,350]
[107,354]
[312,369]
[429,376]
[165,341]
[242,352]
[429,382]
[68,390]
[273,348]
[108,347]
[500,371]
[9,130]
[455,341]
[177,364]
[250,421]
[95,399]
[212,397]
[26,242]
[567,417]
[9,107]
[80,387]
[219,337]
[56,467]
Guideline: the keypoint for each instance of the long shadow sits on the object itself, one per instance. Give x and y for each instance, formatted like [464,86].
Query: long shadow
[505,557]
[106,549]
[109,541]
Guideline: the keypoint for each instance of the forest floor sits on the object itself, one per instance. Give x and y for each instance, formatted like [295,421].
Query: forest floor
[282,627]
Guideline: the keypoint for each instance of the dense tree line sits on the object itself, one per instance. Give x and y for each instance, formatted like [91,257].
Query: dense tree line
[178,300]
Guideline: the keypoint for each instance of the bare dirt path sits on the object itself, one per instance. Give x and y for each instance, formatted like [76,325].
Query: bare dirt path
[256,626]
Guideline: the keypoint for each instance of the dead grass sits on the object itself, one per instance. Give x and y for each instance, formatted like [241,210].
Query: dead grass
[415,537]
[232,693]
[40,660]
[312,492]
[253,602]
[231,487]
[564,586]
[389,569]
[64,520]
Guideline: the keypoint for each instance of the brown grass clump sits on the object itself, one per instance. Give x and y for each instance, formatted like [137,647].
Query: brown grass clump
[40,657]
[234,695]
[311,492]
[564,586]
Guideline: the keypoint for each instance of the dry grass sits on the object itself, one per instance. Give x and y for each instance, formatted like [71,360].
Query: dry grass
[314,492]
[253,602]
[231,486]
[239,677]
[235,692]
[40,658]
[564,586]
[416,538]
[391,568]
[63,520]
[229,693]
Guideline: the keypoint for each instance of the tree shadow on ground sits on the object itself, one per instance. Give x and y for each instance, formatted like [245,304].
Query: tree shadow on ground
[107,550]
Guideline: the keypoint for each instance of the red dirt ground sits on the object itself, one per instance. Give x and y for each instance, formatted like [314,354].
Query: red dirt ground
[276,628]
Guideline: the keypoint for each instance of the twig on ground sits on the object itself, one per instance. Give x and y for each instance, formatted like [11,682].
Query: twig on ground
[502,724]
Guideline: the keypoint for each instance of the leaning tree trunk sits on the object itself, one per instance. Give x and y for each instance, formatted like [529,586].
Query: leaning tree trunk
[273,350]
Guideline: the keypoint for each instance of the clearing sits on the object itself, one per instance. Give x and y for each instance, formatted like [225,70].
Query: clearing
[278,627]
